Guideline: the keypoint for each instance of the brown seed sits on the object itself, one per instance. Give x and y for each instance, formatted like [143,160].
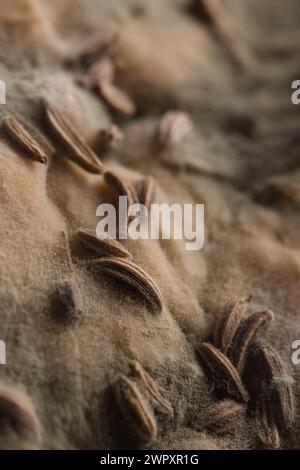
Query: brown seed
[117,99]
[272,376]
[101,247]
[102,69]
[174,127]
[223,372]
[267,429]
[78,150]
[146,191]
[96,46]
[213,13]
[17,414]
[228,322]
[159,402]
[138,415]
[134,277]
[224,416]
[256,324]
[121,186]
[278,193]
[110,138]
[67,301]
[23,136]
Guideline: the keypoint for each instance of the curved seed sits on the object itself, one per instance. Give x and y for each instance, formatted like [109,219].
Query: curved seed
[103,247]
[117,99]
[17,414]
[146,191]
[213,13]
[273,377]
[160,403]
[121,186]
[223,372]
[134,277]
[257,323]
[78,150]
[228,322]
[22,135]
[267,429]
[136,412]
[223,416]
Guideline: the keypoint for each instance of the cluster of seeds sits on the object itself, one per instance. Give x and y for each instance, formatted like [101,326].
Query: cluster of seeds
[243,367]
[249,371]
[139,398]
[116,262]
[114,259]
[99,76]
[234,348]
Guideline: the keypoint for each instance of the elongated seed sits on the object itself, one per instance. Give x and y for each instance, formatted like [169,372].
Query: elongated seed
[136,412]
[117,99]
[273,377]
[23,136]
[223,372]
[228,322]
[146,191]
[134,277]
[223,416]
[122,187]
[225,31]
[159,401]
[267,429]
[102,247]
[77,149]
[254,325]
